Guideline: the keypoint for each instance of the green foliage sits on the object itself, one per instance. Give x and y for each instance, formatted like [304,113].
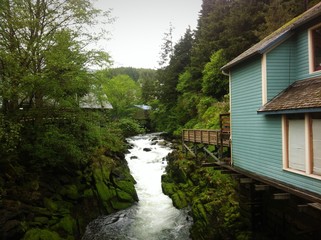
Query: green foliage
[214,83]
[167,47]
[129,127]
[168,76]
[40,234]
[53,147]
[209,111]
[66,143]
[123,93]
[183,80]
[211,195]
[225,29]
[279,12]
[9,136]
[44,62]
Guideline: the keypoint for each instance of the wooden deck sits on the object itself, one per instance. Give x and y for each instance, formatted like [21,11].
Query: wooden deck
[220,138]
[210,137]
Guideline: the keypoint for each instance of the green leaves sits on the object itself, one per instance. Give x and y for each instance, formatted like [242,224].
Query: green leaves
[9,136]
[44,51]
[214,83]
[123,93]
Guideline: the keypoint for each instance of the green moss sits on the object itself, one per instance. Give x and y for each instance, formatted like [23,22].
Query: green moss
[64,207]
[199,211]
[124,196]
[50,204]
[41,220]
[68,224]
[168,188]
[118,205]
[70,191]
[41,234]
[128,187]
[102,171]
[88,193]
[179,200]
[104,192]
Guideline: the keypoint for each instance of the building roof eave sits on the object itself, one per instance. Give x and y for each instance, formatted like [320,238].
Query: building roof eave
[276,37]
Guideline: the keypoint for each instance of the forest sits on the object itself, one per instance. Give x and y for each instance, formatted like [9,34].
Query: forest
[49,135]
[192,88]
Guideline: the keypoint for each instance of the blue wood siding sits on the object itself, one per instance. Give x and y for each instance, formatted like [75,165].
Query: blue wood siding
[302,56]
[281,68]
[302,59]
[257,139]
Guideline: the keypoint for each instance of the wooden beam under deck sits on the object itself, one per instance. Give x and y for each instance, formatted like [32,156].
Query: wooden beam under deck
[221,138]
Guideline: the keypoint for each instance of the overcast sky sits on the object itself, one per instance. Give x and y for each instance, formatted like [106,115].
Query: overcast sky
[136,35]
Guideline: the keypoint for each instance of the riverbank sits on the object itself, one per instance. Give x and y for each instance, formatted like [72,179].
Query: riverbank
[154,216]
[211,196]
[55,204]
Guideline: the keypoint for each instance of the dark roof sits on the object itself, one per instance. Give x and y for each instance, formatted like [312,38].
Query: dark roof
[301,96]
[276,37]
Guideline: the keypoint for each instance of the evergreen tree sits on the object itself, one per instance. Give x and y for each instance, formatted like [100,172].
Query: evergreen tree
[168,76]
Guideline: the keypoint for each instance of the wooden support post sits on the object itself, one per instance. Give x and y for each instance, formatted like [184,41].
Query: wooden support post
[214,165]
[315,205]
[189,150]
[302,208]
[226,172]
[281,196]
[260,187]
[246,180]
[211,154]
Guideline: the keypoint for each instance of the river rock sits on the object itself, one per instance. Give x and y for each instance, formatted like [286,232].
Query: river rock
[147,149]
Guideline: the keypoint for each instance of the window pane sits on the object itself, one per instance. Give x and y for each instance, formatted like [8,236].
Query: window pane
[316,128]
[316,39]
[296,144]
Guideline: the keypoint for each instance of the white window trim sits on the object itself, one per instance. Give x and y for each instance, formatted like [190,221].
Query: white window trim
[310,45]
[264,79]
[308,144]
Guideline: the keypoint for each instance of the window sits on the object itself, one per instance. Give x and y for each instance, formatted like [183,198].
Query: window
[316,129]
[296,138]
[315,49]
[302,143]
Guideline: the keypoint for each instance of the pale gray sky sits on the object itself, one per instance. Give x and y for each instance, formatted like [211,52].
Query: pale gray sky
[140,26]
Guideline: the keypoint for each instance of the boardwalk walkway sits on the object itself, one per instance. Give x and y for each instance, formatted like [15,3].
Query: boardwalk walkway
[219,139]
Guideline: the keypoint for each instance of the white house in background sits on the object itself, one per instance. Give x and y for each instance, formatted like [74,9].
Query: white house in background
[91,101]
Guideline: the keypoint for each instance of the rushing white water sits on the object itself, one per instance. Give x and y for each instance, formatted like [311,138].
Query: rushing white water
[153,217]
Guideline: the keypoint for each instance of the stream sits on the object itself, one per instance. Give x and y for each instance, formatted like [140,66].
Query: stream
[153,217]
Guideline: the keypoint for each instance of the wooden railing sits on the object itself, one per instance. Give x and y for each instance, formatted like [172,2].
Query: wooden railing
[211,137]
[219,137]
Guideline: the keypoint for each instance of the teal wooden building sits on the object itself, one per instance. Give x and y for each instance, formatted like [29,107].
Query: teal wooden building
[275,91]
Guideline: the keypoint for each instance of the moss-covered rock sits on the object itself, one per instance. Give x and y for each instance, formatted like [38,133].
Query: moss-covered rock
[124,196]
[105,193]
[119,205]
[179,199]
[169,188]
[41,234]
[127,187]
[41,220]
[70,191]
[88,193]
[51,201]
[68,224]
[50,204]
[210,194]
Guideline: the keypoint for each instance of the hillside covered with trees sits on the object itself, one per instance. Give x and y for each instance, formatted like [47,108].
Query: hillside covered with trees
[62,162]
[192,88]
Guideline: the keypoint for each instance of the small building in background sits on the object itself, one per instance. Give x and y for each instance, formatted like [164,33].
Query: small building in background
[92,102]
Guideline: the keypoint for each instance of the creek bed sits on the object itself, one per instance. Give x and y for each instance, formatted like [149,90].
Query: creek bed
[153,217]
